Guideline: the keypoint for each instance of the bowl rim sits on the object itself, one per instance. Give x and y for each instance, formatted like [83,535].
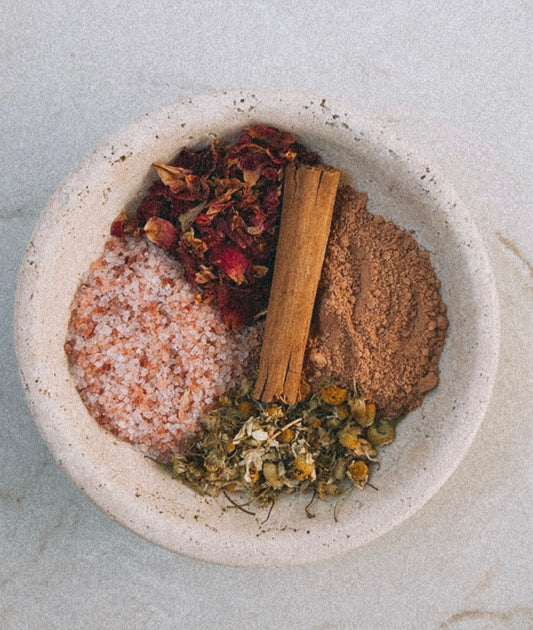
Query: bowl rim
[218,549]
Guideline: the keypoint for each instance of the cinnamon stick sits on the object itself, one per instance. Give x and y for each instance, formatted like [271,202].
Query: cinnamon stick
[308,200]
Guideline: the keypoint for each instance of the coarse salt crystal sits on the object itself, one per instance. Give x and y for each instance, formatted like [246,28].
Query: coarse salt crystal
[156,358]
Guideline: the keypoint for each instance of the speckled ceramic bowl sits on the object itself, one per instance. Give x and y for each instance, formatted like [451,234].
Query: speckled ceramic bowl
[137,493]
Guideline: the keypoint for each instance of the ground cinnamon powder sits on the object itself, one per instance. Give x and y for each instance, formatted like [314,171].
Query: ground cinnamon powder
[379,317]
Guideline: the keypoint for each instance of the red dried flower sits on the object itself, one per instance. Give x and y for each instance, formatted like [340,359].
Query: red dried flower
[232,261]
[217,211]
[161,232]
[122,226]
[239,305]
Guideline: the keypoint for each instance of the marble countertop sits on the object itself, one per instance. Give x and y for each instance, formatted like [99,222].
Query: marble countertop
[453,80]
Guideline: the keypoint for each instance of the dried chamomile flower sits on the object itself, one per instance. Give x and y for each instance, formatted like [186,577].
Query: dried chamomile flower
[358,472]
[271,475]
[321,444]
[326,489]
[339,469]
[363,411]
[333,395]
[303,466]
[383,432]
[349,436]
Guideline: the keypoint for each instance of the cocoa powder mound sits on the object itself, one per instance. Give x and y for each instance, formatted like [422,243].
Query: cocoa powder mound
[379,318]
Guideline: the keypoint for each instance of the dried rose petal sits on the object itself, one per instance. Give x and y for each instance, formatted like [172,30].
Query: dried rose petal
[122,226]
[189,217]
[161,232]
[238,305]
[181,182]
[204,275]
[252,162]
[172,176]
[203,220]
[223,201]
[148,208]
[271,173]
[203,163]
[195,244]
[271,201]
[232,261]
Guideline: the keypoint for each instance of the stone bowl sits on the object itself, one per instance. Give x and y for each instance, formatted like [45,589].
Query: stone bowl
[133,490]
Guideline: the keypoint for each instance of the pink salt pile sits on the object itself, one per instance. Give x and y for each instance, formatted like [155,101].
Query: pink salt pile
[145,356]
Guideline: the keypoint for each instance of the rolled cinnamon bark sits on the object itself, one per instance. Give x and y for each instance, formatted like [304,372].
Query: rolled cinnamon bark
[308,201]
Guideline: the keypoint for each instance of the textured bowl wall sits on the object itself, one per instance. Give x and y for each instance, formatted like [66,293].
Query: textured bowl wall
[131,489]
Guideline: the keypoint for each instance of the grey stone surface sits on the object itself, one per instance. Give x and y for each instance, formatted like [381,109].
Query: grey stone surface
[454,81]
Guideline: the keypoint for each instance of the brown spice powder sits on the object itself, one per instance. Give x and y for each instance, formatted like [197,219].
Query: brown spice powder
[379,317]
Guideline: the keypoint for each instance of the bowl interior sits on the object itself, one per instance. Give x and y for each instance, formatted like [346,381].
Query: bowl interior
[133,490]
